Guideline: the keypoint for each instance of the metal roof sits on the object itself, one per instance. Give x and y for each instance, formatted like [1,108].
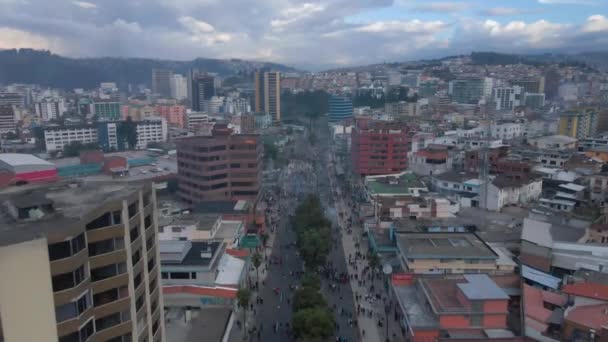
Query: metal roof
[481,287]
[18,159]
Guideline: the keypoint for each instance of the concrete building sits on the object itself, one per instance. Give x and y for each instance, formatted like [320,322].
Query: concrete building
[179,87]
[195,119]
[554,142]
[56,138]
[340,108]
[161,82]
[530,85]
[506,131]
[201,88]
[267,91]
[470,307]
[149,131]
[83,264]
[468,90]
[379,148]
[12,99]
[579,124]
[507,190]
[445,253]
[507,98]
[174,114]
[430,161]
[107,110]
[220,167]
[534,100]
[50,108]
[7,119]
[400,109]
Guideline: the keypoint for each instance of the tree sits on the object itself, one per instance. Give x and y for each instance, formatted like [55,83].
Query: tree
[243,297]
[127,134]
[311,280]
[374,262]
[308,297]
[256,259]
[314,324]
[270,151]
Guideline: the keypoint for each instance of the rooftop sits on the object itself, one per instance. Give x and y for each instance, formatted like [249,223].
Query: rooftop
[189,253]
[555,139]
[591,316]
[414,304]
[443,246]
[394,184]
[53,207]
[19,159]
[456,177]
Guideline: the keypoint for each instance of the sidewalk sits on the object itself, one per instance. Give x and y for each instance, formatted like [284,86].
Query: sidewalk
[237,334]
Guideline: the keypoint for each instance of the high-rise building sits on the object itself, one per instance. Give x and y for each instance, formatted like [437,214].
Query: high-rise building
[179,87]
[580,123]
[552,79]
[50,108]
[340,108]
[13,99]
[534,100]
[202,87]
[7,119]
[80,263]
[268,93]
[161,82]
[507,98]
[468,90]
[379,147]
[106,110]
[530,85]
[219,167]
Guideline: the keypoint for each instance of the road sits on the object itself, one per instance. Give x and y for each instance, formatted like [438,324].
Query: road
[276,309]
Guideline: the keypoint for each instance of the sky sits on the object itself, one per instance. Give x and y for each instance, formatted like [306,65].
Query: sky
[307,34]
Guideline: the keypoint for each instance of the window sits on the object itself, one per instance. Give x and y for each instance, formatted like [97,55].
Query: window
[151,264]
[67,248]
[176,229]
[164,275]
[148,221]
[82,335]
[180,275]
[150,242]
[136,257]
[108,271]
[139,303]
[107,321]
[132,209]
[137,281]
[152,286]
[102,221]
[116,217]
[134,233]
[68,280]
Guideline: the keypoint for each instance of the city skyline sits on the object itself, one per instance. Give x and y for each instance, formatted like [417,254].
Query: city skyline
[297,33]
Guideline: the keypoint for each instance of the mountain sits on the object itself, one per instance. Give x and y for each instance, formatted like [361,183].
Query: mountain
[47,69]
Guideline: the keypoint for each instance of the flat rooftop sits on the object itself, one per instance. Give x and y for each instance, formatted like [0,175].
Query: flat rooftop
[395,184]
[415,307]
[207,324]
[443,246]
[189,253]
[56,205]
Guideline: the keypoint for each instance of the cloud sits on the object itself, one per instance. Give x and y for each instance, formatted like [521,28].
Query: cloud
[596,23]
[84,4]
[291,15]
[567,2]
[202,31]
[442,7]
[310,34]
[500,11]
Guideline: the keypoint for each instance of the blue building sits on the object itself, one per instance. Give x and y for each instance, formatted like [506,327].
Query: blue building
[340,108]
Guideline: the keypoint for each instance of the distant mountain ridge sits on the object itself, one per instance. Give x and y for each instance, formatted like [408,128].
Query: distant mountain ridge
[51,70]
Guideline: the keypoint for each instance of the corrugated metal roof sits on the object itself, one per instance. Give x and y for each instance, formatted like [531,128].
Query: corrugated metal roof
[18,159]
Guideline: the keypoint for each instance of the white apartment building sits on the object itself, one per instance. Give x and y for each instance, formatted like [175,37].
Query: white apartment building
[153,130]
[179,87]
[507,98]
[506,131]
[50,108]
[195,119]
[56,138]
[237,105]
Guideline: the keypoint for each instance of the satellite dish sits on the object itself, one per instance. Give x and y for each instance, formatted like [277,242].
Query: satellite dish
[387,269]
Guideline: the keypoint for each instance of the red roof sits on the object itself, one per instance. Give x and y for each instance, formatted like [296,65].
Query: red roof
[589,290]
[534,300]
[591,316]
[239,253]
[222,292]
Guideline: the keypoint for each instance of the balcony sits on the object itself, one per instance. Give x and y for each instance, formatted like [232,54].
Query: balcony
[105,233]
[67,295]
[117,330]
[110,283]
[72,325]
[69,264]
[117,306]
[108,259]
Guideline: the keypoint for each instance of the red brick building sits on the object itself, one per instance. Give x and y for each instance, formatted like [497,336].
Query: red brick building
[379,147]
[220,167]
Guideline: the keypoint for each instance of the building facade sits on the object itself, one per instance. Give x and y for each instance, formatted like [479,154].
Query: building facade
[107,110]
[161,82]
[268,93]
[7,119]
[202,88]
[220,167]
[50,108]
[379,148]
[84,265]
[579,124]
[56,138]
[340,108]
[179,87]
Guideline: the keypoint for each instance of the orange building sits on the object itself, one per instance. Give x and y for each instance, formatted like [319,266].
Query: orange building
[452,307]
[599,152]
[174,114]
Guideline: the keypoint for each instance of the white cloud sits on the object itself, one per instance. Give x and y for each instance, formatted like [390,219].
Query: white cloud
[442,7]
[84,4]
[414,26]
[596,23]
[291,15]
[124,26]
[11,38]
[499,11]
[203,32]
